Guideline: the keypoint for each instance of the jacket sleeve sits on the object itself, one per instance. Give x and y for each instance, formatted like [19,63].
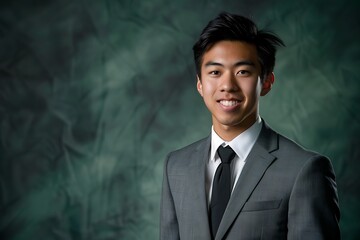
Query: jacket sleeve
[313,205]
[169,229]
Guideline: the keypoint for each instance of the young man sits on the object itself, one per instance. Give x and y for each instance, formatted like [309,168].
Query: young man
[244,181]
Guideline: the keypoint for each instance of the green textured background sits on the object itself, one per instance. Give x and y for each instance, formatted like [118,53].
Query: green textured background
[94,94]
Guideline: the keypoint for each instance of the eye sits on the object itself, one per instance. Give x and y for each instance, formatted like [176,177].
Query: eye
[215,72]
[243,73]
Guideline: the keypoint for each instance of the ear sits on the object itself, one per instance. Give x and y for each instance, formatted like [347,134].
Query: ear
[199,85]
[267,84]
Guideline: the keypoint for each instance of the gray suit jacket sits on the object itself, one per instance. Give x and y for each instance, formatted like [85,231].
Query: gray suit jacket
[283,192]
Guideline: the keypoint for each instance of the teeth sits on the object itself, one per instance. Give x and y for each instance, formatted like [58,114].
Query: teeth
[228,103]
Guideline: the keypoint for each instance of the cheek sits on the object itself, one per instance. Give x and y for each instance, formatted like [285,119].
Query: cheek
[208,88]
[251,88]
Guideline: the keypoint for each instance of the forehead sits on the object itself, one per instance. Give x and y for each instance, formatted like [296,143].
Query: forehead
[228,52]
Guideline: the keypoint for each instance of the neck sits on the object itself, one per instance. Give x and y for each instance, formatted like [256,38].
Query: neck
[228,133]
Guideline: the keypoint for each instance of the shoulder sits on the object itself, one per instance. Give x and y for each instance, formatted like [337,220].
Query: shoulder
[289,146]
[286,150]
[297,155]
[195,146]
[185,154]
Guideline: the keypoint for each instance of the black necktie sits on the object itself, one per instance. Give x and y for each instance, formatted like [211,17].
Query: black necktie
[221,188]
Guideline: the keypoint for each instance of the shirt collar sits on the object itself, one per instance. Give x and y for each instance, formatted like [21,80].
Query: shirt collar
[242,144]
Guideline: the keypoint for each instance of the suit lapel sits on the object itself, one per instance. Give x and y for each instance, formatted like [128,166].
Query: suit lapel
[257,162]
[196,182]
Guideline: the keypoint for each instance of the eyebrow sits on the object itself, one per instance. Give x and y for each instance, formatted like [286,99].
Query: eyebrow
[237,64]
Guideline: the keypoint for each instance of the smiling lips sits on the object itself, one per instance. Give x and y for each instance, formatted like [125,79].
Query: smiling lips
[229,105]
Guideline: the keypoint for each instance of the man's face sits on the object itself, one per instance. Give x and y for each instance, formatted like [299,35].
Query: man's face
[230,85]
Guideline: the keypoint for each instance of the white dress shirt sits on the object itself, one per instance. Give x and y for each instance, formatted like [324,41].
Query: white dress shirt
[241,145]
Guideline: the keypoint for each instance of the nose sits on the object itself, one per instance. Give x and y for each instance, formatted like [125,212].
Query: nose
[229,83]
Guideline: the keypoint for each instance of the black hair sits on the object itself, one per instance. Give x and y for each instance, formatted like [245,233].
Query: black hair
[238,28]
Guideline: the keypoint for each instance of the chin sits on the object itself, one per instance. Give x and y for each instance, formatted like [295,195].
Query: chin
[231,123]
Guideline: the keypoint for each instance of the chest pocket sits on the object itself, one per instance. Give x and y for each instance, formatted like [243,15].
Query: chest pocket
[261,205]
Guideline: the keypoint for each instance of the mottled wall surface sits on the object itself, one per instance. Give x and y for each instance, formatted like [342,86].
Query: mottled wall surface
[94,94]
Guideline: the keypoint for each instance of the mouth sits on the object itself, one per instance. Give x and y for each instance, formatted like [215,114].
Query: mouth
[229,103]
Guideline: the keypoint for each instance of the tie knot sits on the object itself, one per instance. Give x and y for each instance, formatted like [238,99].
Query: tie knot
[226,154]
